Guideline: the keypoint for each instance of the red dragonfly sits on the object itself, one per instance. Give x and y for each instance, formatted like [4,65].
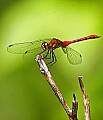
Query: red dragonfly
[47,48]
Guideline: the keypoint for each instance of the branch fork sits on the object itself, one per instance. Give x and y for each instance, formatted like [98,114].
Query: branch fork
[72,113]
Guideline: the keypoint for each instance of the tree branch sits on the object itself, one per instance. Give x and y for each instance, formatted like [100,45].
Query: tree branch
[86,101]
[72,114]
[74,107]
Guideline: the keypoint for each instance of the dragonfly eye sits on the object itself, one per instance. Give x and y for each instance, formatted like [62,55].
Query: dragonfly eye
[44,46]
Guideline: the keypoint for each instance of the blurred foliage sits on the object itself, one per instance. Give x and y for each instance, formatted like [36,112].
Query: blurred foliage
[24,93]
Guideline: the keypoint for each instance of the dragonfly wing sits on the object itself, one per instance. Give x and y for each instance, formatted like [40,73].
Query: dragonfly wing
[72,55]
[30,55]
[20,48]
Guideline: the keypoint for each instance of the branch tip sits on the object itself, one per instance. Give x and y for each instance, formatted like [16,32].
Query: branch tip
[80,77]
[74,96]
[85,99]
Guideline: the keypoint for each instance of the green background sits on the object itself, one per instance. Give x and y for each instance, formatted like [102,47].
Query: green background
[24,93]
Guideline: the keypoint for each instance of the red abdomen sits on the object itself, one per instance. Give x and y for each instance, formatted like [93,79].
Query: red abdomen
[66,43]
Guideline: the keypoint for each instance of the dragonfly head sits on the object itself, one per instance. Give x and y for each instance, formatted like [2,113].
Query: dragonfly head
[45,46]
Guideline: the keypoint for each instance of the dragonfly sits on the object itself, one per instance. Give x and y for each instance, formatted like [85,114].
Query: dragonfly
[48,46]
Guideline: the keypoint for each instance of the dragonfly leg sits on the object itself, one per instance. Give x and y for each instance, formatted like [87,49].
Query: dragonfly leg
[48,55]
[42,51]
[54,60]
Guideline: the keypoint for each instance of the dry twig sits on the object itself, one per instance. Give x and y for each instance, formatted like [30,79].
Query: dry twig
[86,101]
[72,114]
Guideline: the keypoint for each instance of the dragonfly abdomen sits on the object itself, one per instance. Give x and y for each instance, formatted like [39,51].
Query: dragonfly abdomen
[85,38]
[66,43]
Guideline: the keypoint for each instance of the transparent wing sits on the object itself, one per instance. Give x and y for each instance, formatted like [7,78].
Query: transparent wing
[26,47]
[30,55]
[72,55]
